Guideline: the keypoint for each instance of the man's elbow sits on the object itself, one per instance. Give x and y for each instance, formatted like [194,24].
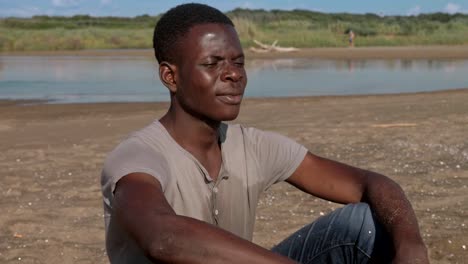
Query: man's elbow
[375,182]
[163,247]
[167,242]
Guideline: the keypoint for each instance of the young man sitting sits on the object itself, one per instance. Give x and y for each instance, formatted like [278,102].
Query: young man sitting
[185,188]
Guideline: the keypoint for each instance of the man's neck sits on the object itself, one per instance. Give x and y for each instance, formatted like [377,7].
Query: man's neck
[193,134]
[198,136]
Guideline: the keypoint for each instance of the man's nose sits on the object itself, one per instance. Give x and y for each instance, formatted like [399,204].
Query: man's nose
[233,72]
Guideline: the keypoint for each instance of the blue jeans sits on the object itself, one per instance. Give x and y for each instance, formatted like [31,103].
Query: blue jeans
[347,235]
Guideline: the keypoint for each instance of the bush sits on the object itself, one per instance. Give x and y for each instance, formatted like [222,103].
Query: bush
[299,28]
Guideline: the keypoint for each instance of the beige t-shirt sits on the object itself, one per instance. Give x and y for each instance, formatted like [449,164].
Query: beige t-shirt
[253,160]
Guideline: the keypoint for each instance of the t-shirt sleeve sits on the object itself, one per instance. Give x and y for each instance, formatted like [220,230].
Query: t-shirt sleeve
[278,156]
[130,156]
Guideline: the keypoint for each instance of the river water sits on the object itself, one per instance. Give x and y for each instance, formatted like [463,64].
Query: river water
[81,79]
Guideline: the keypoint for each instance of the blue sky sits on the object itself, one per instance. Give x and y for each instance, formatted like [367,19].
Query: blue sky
[130,8]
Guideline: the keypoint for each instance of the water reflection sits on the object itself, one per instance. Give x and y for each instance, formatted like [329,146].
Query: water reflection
[351,64]
[1,68]
[98,79]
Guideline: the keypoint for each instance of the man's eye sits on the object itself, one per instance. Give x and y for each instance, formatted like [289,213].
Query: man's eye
[239,62]
[210,64]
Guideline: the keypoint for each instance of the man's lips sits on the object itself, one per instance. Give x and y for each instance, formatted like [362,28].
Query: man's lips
[232,99]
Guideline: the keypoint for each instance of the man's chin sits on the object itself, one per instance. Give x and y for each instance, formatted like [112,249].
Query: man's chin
[228,116]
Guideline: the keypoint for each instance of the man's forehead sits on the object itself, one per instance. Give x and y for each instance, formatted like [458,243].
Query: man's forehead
[210,30]
[212,36]
[195,44]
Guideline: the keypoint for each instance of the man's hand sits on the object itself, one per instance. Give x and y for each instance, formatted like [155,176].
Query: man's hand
[411,254]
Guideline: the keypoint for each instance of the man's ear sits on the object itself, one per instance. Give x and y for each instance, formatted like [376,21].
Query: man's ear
[167,74]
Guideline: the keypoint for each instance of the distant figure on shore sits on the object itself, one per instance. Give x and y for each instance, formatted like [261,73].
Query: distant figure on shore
[351,38]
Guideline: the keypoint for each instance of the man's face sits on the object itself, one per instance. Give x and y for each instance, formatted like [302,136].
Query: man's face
[211,77]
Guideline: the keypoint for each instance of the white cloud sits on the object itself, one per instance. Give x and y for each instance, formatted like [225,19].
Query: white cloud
[452,8]
[65,3]
[247,5]
[414,11]
[20,12]
[106,2]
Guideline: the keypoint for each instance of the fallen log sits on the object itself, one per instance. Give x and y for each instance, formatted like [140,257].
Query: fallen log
[263,48]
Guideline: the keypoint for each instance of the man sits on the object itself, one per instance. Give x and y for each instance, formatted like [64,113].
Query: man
[185,188]
[351,38]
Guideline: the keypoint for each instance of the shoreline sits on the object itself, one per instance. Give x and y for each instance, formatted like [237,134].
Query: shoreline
[38,102]
[406,52]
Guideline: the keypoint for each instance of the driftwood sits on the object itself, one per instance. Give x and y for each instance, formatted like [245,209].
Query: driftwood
[394,125]
[263,48]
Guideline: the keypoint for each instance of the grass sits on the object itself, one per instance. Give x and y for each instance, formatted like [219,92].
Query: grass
[298,28]
[76,39]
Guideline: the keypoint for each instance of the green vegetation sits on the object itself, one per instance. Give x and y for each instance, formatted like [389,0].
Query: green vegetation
[75,33]
[298,28]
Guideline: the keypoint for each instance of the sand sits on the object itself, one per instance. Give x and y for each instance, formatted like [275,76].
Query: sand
[51,157]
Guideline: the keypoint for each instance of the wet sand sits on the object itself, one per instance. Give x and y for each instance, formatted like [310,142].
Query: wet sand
[51,157]
[411,52]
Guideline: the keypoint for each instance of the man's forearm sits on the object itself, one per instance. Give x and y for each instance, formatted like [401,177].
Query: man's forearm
[393,209]
[186,240]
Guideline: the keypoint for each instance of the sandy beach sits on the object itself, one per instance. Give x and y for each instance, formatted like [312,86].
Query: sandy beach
[51,156]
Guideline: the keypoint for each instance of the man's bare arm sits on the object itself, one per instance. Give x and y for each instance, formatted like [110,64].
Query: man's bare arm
[141,208]
[341,183]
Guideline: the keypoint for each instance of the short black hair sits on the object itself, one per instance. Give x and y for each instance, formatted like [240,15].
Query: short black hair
[177,22]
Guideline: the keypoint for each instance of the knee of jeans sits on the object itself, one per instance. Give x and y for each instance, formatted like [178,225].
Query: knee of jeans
[360,218]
